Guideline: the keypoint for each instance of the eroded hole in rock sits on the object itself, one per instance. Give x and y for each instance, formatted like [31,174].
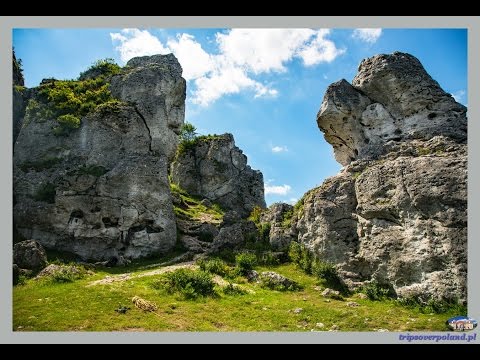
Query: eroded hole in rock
[432,116]
[95,209]
[110,222]
[78,214]
[366,141]
[397,132]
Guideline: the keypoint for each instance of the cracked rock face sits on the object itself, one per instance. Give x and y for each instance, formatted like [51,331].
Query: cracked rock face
[155,87]
[217,170]
[391,99]
[397,212]
[103,191]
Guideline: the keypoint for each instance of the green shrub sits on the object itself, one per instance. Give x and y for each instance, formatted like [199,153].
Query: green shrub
[328,272]
[245,262]
[69,121]
[189,283]
[376,291]
[295,252]
[264,230]
[255,215]
[271,258]
[65,274]
[101,68]
[45,193]
[287,218]
[233,290]
[430,305]
[188,132]
[214,266]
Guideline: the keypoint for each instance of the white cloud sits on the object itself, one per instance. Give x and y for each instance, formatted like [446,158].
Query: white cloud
[195,61]
[458,95]
[292,201]
[135,42]
[277,189]
[319,49]
[368,35]
[278,149]
[242,54]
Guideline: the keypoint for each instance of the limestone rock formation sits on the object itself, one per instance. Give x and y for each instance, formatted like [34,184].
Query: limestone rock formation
[102,190]
[20,96]
[392,99]
[29,254]
[281,233]
[215,169]
[156,89]
[397,213]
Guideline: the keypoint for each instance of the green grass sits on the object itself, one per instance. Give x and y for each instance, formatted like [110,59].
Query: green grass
[75,306]
[191,208]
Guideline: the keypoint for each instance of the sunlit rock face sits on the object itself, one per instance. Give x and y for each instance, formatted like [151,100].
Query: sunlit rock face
[102,191]
[397,212]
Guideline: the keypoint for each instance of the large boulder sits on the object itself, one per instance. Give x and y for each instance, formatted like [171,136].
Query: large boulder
[215,169]
[29,254]
[102,191]
[397,212]
[391,99]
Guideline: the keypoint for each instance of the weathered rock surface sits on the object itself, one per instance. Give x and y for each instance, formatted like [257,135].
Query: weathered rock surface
[281,233]
[29,254]
[235,236]
[20,97]
[102,191]
[215,169]
[155,87]
[392,99]
[398,213]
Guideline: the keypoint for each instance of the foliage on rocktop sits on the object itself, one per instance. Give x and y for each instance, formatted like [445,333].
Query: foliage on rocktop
[67,101]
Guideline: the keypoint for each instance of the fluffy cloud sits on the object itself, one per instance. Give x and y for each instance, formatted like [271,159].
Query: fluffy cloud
[277,189]
[242,54]
[278,149]
[367,35]
[135,42]
[319,49]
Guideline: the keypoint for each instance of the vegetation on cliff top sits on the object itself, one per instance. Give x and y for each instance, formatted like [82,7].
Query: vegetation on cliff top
[67,101]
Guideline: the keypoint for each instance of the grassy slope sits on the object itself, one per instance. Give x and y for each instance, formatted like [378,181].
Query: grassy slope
[74,307]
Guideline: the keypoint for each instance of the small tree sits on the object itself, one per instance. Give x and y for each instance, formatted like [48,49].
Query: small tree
[188,132]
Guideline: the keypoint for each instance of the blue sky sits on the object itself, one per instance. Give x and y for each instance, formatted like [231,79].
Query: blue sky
[264,86]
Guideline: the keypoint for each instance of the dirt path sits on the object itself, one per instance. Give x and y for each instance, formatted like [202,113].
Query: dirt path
[124,277]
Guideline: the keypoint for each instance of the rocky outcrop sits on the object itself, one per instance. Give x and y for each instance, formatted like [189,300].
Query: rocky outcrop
[215,169]
[102,190]
[397,212]
[19,96]
[391,99]
[29,254]
[281,234]
[156,89]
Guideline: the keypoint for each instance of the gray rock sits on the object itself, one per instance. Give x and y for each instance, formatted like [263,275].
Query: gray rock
[353,304]
[252,275]
[297,310]
[392,99]
[280,234]
[29,254]
[103,191]
[156,89]
[397,212]
[15,274]
[330,293]
[235,236]
[277,281]
[215,169]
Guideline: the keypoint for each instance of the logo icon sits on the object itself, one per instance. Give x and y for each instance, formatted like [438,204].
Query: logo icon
[461,323]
